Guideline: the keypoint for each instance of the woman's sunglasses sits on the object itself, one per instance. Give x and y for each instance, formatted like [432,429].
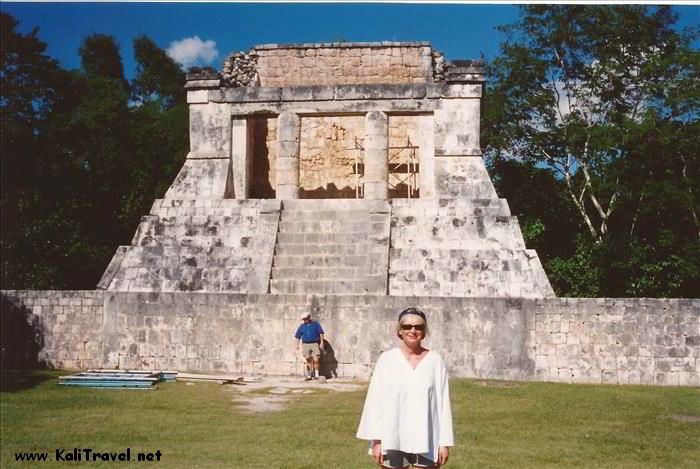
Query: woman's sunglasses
[408,327]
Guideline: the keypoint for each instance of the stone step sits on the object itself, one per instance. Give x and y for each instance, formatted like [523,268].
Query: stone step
[196,257]
[209,220]
[457,232]
[450,207]
[198,231]
[299,249]
[330,261]
[327,287]
[495,211]
[465,243]
[325,226]
[470,276]
[451,222]
[471,289]
[330,215]
[182,278]
[253,205]
[369,206]
[195,241]
[456,256]
[322,238]
[218,207]
[320,273]
[441,203]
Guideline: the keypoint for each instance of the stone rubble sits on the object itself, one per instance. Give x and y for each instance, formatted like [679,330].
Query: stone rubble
[440,66]
[240,69]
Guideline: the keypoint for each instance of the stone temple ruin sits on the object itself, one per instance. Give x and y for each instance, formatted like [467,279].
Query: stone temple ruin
[333,169]
[345,180]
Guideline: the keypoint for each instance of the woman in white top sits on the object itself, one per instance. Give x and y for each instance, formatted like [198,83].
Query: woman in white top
[407,415]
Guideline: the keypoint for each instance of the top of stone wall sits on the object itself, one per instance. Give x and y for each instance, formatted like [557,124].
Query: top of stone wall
[336,63]
[342,45]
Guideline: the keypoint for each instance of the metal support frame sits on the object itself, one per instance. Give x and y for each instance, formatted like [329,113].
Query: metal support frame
[404,169]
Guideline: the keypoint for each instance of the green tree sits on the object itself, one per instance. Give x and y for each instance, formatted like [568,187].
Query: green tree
[607,99]
[28,92]
[160,128]
[100,58]
[572,84]
[84,155]
[158,77]
[536,196]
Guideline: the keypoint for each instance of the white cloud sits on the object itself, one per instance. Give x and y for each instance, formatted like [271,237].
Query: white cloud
[192,51]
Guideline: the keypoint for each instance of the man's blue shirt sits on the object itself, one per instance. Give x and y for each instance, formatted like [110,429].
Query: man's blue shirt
[309,333]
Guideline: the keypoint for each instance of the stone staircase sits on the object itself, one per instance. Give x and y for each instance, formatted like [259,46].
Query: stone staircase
[207,245]
[332,247]
[402,247]
[461,247]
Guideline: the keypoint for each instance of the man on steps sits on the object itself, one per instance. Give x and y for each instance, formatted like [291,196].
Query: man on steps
[310,341]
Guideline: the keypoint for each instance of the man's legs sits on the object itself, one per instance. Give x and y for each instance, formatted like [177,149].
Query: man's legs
[317,366]
[309,368]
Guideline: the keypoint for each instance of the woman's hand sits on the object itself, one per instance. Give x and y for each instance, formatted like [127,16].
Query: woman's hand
[377,452]
[443,455]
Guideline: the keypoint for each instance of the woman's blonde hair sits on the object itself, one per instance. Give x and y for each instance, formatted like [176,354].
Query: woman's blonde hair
[413,312]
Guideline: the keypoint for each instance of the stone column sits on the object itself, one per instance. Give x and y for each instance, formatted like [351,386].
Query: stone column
[288,136]
[240,157]
[426,133]
[376,155]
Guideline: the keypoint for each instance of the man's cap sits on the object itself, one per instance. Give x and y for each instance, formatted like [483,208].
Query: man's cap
[306,316]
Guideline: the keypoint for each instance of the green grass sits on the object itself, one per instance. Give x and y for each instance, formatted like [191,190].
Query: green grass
[523,425]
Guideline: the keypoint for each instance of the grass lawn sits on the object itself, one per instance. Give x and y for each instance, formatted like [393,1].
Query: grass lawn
[496,425]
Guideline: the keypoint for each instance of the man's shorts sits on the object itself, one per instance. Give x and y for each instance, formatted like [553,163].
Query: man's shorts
[394,459]
[310,350]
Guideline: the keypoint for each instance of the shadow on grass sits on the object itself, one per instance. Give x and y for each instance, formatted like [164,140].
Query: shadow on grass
[21,380]
[20,342]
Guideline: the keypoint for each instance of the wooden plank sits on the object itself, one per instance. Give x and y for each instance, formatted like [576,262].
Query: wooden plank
[210,377]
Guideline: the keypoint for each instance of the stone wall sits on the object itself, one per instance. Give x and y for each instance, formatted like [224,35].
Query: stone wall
[60,329]
[625,341]
[344,63]
[198,245]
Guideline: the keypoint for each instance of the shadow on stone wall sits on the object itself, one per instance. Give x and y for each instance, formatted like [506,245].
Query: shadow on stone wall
[328,192]
[329,364]
[260,187]
[20,343]
[20,336]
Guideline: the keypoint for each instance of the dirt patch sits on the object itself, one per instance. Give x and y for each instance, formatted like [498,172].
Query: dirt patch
[273,393]
[685,418]
[498,384]
[262,403]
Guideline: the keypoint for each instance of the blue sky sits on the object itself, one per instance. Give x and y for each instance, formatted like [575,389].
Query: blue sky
[458,30]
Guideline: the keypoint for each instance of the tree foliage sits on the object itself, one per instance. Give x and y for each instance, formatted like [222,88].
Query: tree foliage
[606,98]
[158,77]
[89,162]
[100,58]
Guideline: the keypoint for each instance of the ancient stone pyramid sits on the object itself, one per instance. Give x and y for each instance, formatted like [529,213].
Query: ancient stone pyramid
[341,169]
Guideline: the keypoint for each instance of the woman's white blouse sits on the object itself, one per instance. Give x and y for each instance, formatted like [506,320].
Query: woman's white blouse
[408,409]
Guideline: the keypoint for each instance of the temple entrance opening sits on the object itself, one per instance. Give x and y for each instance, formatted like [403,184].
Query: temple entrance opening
[263,130]
[332,156]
